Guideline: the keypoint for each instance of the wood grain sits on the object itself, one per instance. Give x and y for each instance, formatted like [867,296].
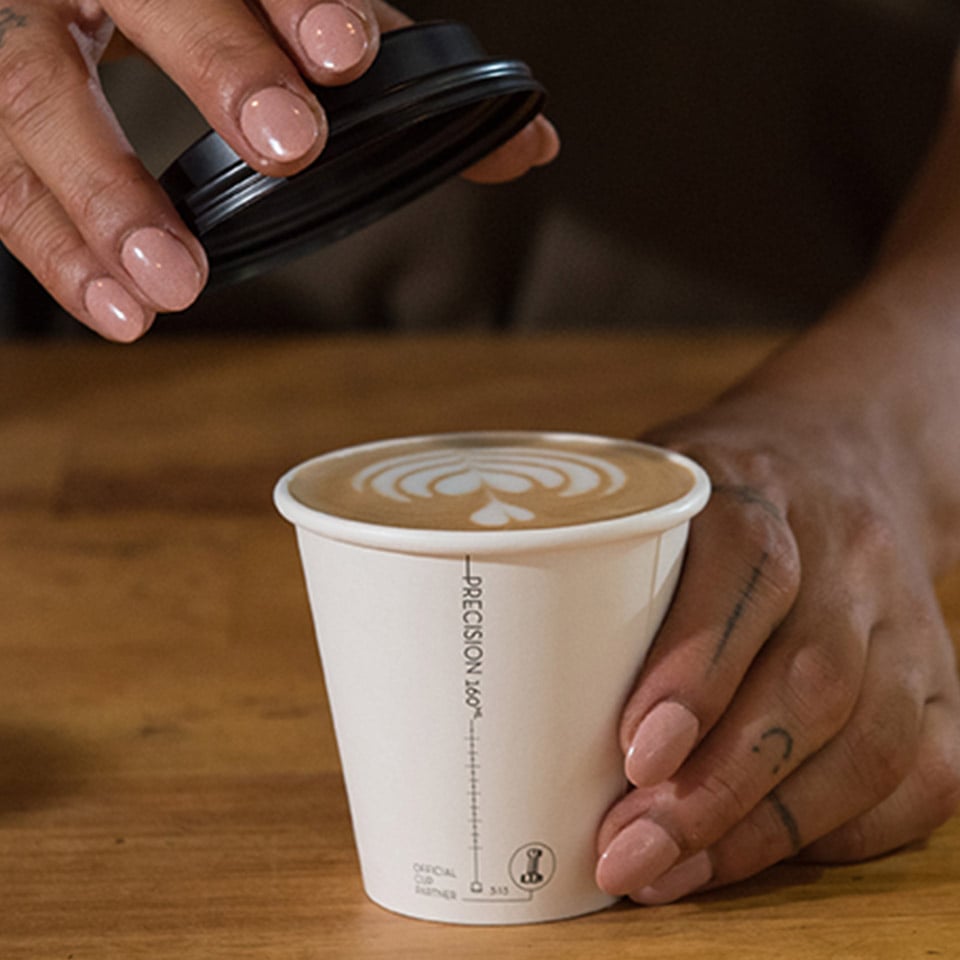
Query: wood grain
[169,784]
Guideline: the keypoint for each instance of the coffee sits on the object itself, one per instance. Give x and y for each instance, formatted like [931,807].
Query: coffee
[479,638]
[491,481]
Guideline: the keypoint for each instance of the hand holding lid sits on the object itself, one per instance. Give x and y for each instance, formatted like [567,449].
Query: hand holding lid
[78,208]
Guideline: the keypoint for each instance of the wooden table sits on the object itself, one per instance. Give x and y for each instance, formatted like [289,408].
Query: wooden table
[169,785]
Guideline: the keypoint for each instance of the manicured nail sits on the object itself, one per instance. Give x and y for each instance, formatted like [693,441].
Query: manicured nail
[681,881]
[115,312]
[638,855]
[279,125]
[162,268]
[662,742]
[334,37]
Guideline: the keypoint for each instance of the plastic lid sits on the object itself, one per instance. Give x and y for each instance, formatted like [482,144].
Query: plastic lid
[432,103]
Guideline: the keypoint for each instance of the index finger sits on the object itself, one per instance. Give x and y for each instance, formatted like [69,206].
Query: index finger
[719,620]
[67,172]
[230,64]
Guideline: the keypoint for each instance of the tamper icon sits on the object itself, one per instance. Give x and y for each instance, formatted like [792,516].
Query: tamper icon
[532,875]
[532,866]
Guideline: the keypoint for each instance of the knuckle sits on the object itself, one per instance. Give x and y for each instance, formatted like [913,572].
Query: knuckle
[727,801]
[218,59]
[781,568]
[748,509]
[31,79]
[50,249]
[106,191]
[19,189]
[823,682]
[881,747]
[57,253]
[871,540]
[871,531]
[758,465]
[762,533]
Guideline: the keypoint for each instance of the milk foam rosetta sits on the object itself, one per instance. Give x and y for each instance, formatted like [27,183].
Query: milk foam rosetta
[491,482]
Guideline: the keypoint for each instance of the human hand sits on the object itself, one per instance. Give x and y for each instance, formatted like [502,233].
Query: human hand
[77,207]
[801,698]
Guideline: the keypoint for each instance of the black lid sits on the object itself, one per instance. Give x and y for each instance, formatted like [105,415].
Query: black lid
[431,104]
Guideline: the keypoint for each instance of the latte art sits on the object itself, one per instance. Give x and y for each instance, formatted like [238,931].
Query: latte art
[506,476]
[491,481]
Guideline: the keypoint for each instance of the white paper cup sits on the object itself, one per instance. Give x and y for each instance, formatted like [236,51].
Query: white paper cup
[476,680]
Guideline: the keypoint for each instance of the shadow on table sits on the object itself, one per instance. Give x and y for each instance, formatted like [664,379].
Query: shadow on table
[38,766]
[798,882]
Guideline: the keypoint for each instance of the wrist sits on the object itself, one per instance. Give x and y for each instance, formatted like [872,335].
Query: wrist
[874,386]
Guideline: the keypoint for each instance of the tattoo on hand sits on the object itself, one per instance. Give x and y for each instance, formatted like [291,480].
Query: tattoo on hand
[10,20]
[787,819]
[745,596]
[749,495]
[787,740]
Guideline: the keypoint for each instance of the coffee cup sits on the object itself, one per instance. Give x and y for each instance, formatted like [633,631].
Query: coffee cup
[483,603]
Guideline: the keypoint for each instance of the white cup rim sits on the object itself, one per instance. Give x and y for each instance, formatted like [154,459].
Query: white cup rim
[429,541]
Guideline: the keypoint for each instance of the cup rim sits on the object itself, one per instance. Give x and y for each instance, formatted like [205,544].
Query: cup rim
[439,542]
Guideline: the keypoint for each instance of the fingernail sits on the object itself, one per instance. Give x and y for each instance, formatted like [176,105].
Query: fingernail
[116,314]
[681,881]
[662,742]
[162,268]
[279,125]
[334,37]
[549,142]
[639,854]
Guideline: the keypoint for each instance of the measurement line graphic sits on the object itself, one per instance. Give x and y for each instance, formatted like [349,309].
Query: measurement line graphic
[516,881]
[473,767]
[473,793]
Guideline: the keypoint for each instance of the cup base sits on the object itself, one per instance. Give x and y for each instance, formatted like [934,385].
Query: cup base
[501,915]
